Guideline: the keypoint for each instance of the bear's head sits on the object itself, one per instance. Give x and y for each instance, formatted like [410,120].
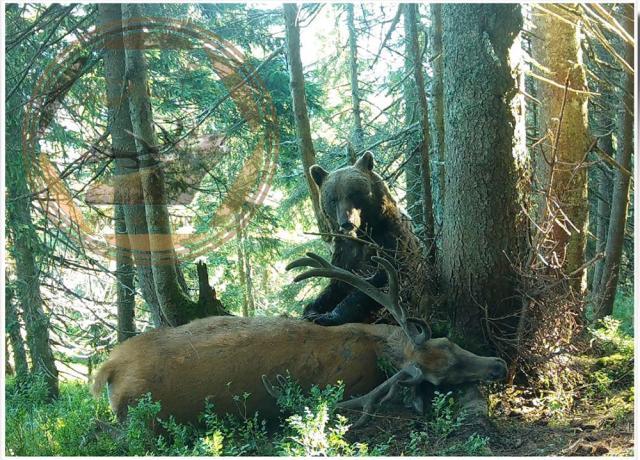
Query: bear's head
[352,197]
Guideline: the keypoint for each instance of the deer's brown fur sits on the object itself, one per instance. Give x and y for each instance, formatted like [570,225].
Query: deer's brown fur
[219,357]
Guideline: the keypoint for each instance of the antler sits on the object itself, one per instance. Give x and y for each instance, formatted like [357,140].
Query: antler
[273,391]
[415,329]
[410,375]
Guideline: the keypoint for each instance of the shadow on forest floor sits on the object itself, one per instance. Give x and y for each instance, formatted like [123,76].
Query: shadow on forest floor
[515,434]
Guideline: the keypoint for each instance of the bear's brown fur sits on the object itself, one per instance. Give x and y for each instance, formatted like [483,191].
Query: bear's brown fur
[358,205]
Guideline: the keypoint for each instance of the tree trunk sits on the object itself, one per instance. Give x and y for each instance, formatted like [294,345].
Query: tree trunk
[127,183]
[125,291]
[358,135]
[556,47]
[413,180]
[620,199]
[143,184]
[603,210]
[479,229]
[24,247]
[13,332]
[242,276]
[438,100]
[410,10]
[173,301]
[251,299]
[303,129]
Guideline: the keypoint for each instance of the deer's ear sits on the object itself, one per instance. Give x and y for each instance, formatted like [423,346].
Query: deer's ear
[419,330]
[318,174]
[365,162]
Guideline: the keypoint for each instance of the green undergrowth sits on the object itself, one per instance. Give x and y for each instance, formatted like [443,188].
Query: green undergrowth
[593,387]
[76,424]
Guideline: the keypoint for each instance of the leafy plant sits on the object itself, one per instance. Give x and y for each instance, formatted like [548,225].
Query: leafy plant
[445,420]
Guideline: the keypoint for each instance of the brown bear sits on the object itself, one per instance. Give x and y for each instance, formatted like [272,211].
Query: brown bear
[367,221]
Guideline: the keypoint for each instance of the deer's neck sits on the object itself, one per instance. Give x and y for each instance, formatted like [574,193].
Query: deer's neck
[390,343]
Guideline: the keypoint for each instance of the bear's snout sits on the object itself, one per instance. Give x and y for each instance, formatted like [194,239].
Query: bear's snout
[349,218]
[347,226]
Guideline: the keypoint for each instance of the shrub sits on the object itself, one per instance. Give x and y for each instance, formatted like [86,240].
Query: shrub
[445,420]
[66,426]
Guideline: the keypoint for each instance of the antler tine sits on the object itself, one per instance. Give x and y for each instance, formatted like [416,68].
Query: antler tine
[274,391]
[331,271]
[395,309]
[390,300]
[409,375]
[303,262]
[320,260]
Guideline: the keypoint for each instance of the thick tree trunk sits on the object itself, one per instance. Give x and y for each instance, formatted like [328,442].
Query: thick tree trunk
[173,301]
[301,117]
[411,114]
[563,120]
[438,100]
[127,183]
[143,184]
[357,137]
[24,247]
[125,290]
[620,199]
[410,10]
[480,226]
[13,332]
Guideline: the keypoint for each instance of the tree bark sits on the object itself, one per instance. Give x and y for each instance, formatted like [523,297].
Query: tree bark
[620,199]
[13,331]
[242,276]
[412,173]
[357,137]
[244,273]
[301,117]
[251,300]
[556,47]
[410,10]
[480,218]
[125,290]
[145,175]
[603,210]
[437,90]
[24,247]
[171,298]
[127,183]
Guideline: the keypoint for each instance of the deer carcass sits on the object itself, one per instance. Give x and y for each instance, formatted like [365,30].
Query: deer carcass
[218,357]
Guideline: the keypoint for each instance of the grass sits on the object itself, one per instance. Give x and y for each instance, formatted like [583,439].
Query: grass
[76,424]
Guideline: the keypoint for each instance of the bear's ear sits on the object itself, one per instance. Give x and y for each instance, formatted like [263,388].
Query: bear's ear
[318,174]
[365,162]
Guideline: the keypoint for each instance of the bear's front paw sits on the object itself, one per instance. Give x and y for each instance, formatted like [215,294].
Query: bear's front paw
[327,319]
[309,312]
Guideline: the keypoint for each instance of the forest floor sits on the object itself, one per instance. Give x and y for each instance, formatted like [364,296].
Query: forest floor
[524,431]
[581,407]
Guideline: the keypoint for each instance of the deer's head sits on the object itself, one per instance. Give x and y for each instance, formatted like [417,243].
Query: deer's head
[423,359]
